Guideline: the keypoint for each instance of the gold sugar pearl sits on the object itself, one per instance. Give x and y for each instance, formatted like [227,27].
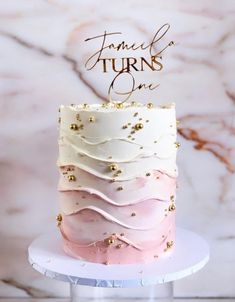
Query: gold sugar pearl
[169,244]
[119,105]
[119,188]
[172,207]
[150,105]
[139,126]
[72,178]
[74,127]
[177,144]
[110,240]
[59,217]
[91,119]
[113,167]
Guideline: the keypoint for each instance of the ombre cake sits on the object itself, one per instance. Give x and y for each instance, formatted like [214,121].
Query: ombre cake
[117,184]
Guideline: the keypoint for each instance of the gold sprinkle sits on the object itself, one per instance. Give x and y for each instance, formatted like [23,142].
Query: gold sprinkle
[72,178]
[110,157]
[78,116]
[139,126]
[171,125]
[172,207]
[141,147]
[59,217]
[177,122]
[113,167]
[169,244]
[133,103]
[148,174]
[85,105]
[118,246]
[155,142]
[59,109]
[81,127]
[133,139]
[133,131]
[112,180]
[150,105]
[91,119]
[147,121]
[140,119]
[119,188]
[133,214]
[106,263]
[172,197]
[177,144]
[124,126]
[74,127]
[59,119]
[129,124]
[122,234]
[155,256]
[165,250]
[119,105]
[129,136]
[110,240]
[135,114]
[119,171]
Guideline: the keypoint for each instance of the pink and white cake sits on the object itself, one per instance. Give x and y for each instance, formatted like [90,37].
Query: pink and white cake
[117,182]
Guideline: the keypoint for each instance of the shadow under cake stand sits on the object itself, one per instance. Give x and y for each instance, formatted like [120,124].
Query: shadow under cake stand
[99,282]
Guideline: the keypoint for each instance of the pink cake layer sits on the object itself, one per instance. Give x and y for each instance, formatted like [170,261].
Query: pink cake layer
[136,245]
[137,218]
[158,185]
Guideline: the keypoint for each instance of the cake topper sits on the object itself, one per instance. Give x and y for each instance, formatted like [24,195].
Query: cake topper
[125,67]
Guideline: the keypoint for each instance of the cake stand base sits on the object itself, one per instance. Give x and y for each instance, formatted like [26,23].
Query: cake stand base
[99,282]
[157,292]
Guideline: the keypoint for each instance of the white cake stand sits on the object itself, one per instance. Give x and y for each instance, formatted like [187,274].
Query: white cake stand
[99,282]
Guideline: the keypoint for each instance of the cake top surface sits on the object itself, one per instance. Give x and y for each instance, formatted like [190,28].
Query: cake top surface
[117,106]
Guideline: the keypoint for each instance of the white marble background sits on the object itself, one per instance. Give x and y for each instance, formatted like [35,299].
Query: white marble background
[41,67]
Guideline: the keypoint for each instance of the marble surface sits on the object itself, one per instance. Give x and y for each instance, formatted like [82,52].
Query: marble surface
[42,67]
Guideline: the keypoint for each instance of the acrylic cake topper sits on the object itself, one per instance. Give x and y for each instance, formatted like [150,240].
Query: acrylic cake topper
[128,65]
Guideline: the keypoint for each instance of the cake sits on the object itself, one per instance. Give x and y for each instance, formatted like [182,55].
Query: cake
[117,164]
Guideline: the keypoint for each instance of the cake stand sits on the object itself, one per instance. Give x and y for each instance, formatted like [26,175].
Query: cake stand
[99,282]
